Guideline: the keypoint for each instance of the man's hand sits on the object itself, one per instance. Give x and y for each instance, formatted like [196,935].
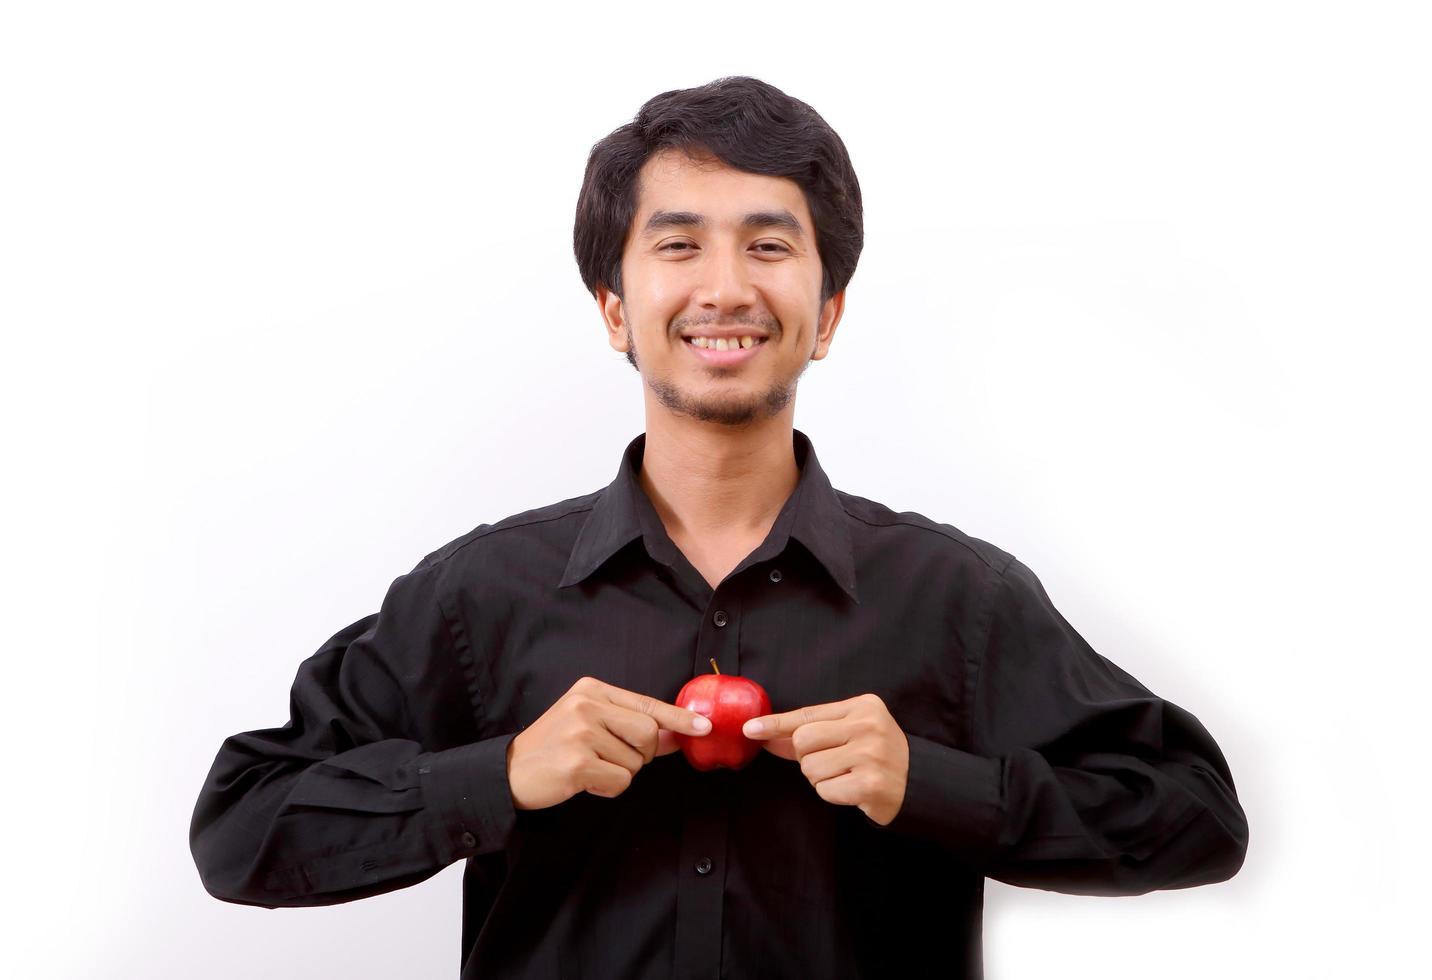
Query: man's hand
[595,738]
[852,751]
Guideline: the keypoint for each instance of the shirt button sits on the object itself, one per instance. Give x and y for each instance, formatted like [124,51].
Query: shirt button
[775,575]
[720,618]
[468,840]
[703,867]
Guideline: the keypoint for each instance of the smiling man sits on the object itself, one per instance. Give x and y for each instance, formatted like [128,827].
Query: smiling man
[935,720]
[724,305]
[721,281]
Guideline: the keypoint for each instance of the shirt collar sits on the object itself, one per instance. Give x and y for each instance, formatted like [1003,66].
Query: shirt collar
[813,515]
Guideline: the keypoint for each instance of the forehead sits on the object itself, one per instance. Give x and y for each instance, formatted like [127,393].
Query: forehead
[671,180]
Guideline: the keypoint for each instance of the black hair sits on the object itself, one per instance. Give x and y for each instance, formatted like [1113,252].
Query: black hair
[746,124]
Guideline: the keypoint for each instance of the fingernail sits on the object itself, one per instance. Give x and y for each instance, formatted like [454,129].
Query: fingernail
[701,723]
[753,727]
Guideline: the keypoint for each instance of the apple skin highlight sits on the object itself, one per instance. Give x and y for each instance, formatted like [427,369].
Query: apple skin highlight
[729,700]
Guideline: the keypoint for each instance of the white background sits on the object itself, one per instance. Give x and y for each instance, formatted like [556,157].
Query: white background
[289,301]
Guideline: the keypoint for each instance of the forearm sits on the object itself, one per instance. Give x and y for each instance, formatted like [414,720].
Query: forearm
[272,831]
[1108,825]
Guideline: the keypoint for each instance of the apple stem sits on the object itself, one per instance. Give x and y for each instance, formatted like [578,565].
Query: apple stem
[713,665]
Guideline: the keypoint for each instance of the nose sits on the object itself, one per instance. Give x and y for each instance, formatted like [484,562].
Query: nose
[725,282]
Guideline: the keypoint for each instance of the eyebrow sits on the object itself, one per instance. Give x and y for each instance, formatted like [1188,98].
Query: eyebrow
[690,219]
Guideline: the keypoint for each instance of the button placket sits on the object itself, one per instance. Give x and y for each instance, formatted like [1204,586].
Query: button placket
[720,634]
[701,889]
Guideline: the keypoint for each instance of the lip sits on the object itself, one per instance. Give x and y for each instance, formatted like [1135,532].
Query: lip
[724,358]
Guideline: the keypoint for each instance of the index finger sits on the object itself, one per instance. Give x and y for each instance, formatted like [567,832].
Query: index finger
[668,716]
[785,723]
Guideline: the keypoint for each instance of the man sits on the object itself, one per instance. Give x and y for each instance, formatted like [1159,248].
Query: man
[935,719]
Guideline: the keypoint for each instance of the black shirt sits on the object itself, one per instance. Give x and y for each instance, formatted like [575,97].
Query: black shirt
[1033,759]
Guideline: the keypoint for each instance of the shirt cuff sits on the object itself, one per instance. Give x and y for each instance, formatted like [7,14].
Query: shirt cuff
[952,797]
[467,790]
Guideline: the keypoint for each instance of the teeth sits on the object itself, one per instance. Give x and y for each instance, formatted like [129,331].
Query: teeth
[723,343]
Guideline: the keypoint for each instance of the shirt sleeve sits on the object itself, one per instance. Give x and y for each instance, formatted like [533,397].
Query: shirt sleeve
[1081,780]
[363,790]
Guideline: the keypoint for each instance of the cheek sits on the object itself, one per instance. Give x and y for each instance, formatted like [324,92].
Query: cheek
[661,301]
[661,293]
[652,290]
[796,304]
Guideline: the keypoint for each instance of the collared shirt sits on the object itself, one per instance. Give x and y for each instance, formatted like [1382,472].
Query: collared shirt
[1033,759]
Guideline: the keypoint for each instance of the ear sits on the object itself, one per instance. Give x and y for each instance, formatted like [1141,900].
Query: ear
[830,314]
[614,316]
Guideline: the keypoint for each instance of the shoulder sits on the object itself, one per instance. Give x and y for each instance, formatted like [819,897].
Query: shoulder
[880,524]
[521,535]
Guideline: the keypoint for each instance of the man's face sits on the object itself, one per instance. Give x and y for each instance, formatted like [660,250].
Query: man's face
[716,248]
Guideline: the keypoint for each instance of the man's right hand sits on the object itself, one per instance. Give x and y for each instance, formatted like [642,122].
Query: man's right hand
[595,738]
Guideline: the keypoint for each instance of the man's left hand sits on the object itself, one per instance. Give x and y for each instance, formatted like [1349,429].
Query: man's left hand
[852,751]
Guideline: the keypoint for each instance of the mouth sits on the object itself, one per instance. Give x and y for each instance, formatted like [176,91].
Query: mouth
[723,358]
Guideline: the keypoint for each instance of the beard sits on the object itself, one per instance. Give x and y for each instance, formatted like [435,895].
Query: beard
[733,409]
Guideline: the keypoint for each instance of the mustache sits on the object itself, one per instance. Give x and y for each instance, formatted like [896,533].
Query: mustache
[768,324]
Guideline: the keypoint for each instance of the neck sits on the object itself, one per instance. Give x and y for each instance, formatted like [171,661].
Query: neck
[709,480]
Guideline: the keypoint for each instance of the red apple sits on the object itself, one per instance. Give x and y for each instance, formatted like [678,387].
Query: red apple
[729,701]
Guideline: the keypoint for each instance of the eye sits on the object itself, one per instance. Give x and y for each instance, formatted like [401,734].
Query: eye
[771,248]
[673,247]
